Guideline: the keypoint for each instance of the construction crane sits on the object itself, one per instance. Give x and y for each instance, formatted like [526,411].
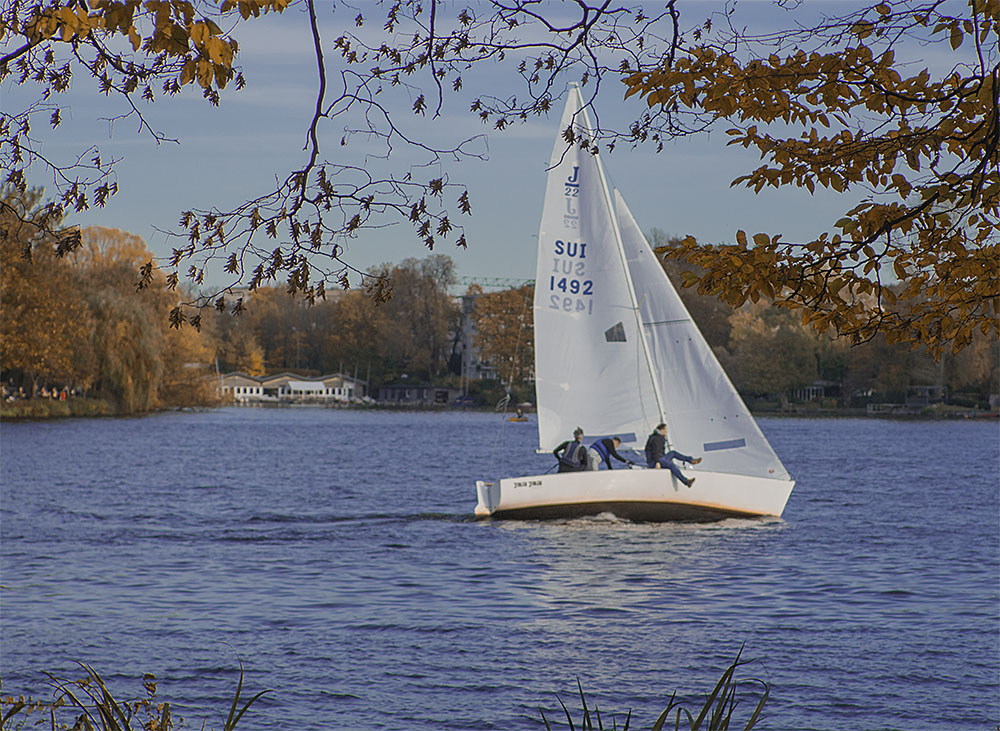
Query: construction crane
[494,282]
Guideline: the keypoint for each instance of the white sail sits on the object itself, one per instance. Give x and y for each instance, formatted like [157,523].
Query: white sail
[704,413]
[591,368]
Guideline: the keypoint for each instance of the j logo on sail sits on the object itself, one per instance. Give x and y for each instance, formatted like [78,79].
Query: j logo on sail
[572,192]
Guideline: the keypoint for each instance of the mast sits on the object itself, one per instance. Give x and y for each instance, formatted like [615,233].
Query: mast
[609,202]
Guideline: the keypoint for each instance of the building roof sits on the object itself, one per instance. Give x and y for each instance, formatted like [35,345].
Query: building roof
[278,379]
[306,385]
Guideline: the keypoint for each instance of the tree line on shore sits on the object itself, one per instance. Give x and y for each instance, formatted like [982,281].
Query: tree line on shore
[771,355]
[75,324]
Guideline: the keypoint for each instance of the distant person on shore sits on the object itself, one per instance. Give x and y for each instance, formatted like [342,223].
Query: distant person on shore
[572,455]
[658,457]
[603,450]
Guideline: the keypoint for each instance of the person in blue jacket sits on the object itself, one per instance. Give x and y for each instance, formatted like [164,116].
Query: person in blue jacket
[572,456]
[658,457]
[603,450]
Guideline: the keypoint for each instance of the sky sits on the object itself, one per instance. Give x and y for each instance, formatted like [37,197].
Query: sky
[233,152]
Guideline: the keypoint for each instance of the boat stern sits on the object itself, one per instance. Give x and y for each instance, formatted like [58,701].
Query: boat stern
[488,494]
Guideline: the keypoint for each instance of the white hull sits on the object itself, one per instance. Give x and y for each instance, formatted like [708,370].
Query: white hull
[636,494]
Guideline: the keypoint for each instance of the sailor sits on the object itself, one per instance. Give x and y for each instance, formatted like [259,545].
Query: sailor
[603,450]
[658,457]
[572,456]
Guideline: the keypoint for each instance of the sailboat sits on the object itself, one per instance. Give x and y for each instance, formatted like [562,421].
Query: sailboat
[617,353]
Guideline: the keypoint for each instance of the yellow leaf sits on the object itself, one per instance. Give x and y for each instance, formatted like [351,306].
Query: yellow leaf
[902,184]
[205,74]
[956,37]
[741,237]
[862,29]
[199,33]
[215,48]
[761,239]
[133,36]
[187,73]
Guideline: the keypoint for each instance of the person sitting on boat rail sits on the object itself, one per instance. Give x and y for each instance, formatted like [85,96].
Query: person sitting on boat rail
[603,450]
[657,455]
[572,456]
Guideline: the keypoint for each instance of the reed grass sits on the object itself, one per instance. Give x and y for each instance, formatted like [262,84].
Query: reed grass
[92,707]
[716,713]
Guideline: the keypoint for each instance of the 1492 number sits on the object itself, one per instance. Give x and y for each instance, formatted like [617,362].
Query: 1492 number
[571,286]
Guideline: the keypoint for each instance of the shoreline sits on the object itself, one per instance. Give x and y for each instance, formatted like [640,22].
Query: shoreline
[950,415]
[45,409]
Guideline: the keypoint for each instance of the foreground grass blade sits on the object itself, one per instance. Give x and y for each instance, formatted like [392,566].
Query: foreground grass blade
[723,688]
[716,713]
[233,716]
[587,724]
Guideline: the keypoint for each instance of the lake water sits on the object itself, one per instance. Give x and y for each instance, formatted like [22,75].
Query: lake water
[334,553]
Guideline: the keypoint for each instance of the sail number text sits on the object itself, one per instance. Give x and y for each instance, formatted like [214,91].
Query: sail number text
[571,304]
[569,260]
[571,286]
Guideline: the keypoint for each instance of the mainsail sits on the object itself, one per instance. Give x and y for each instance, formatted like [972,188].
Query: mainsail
[590,366]
[616,351]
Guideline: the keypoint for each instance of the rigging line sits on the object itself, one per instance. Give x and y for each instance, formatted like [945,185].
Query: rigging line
[498,438]
[638,375]
[667,322]
[517,343]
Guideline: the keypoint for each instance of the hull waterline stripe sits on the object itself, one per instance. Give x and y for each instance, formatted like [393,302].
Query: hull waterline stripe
[639,511]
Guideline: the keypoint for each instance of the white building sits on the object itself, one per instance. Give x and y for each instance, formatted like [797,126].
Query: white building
[291,388]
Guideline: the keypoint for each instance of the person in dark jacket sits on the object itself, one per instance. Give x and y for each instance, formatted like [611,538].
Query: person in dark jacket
[603,450]
[572,455]
[658,457]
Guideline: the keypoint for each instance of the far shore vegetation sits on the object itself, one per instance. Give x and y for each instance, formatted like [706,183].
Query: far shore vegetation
[78,339]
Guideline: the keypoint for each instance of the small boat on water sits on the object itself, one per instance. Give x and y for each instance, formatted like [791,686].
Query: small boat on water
[518,416]
[617,353]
